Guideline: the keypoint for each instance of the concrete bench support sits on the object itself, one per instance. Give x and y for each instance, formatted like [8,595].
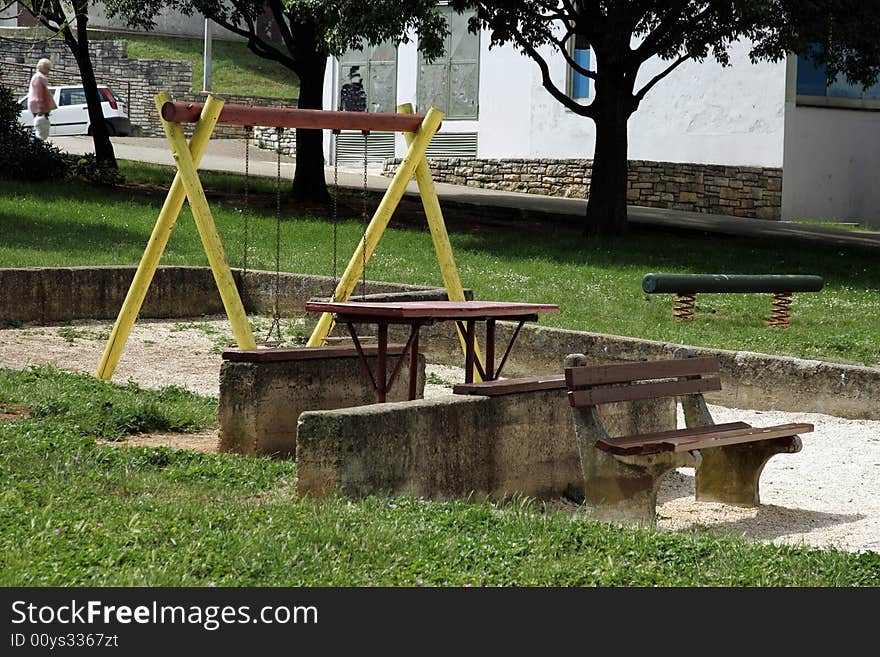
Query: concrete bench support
[453,446]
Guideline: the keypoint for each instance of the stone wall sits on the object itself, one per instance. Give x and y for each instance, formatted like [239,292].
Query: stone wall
[137,81]
[730,190]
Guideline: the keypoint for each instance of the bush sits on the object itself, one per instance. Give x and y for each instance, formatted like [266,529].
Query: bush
[21,156]
[87,167]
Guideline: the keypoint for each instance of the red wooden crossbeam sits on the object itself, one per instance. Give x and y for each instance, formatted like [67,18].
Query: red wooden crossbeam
[279,117]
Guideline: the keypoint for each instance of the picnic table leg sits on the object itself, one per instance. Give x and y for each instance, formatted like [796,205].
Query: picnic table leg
[490,349]
[470,340]
[382,364]
[414,363]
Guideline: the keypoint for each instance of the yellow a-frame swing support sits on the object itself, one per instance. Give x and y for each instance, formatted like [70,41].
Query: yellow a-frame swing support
[418,132]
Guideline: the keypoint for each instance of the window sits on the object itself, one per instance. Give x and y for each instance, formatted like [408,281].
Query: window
[814,88]
[374,67]
[451,82]
[73,97]
[579,84]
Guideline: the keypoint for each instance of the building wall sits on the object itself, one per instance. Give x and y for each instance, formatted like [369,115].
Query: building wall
[831,162]
[701,113]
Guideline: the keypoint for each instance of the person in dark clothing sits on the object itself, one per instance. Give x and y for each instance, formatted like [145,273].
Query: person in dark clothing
[353,97]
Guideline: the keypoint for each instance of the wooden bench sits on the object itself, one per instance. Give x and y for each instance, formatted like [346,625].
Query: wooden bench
[623,474]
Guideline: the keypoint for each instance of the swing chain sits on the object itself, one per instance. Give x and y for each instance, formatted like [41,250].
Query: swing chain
[335,211]
[276,315]
[248,130]
[364,218]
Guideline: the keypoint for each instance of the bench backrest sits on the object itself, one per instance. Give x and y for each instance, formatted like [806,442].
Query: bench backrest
[601,384]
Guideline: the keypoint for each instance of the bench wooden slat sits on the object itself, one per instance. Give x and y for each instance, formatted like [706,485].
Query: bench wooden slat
[740,436]
[303,353]
[507,386]
[685,440]
[578,398]
[578,377]
[624,442]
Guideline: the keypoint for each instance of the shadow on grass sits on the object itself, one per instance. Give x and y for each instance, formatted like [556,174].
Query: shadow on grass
[57,234]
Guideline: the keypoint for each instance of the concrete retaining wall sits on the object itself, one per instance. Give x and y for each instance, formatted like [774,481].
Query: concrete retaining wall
[44,294]
[750,380]
[455,446]
[137,81]
[260,403]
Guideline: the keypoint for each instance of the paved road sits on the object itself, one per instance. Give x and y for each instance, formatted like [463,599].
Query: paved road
[227,155]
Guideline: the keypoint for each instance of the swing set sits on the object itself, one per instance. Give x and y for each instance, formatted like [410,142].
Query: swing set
[418,130]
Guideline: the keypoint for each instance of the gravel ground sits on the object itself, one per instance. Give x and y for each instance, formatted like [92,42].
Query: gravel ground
[824,496]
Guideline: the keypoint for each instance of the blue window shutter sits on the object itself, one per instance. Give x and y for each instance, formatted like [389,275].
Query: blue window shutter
[580,84]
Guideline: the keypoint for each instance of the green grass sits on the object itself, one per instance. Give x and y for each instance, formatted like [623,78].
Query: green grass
[76,512]
[839,225]
[597,283]
[235,69]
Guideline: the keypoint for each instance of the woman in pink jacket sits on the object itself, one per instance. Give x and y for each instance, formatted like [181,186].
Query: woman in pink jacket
[40,100]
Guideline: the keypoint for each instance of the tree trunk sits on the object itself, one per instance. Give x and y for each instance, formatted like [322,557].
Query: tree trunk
[606,207]
[309,183]
[104,153]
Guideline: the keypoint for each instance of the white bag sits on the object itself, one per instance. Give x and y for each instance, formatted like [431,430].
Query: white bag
[41,127]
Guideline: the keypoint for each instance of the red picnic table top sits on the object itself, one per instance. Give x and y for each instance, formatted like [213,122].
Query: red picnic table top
[432,309]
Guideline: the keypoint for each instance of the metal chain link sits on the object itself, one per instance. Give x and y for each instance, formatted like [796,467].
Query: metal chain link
[364,218]
[335,211]
[276,315]
[247,185]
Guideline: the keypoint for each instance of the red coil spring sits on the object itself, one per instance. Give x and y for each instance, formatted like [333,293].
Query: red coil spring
[683,306]
[781,312]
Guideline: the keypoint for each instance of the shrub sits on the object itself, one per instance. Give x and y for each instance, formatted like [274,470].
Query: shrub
[21,156]
[87,167]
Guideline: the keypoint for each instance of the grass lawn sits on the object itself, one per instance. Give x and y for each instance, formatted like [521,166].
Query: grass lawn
[839,226]
[235,69]
[77,511]
[597,283]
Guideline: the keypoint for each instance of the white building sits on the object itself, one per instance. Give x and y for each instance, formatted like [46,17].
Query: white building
[826,139]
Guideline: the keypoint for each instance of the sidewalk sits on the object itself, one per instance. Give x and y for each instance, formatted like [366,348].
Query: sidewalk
[227,155]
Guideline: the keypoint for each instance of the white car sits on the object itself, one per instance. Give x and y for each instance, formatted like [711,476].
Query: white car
[72,115]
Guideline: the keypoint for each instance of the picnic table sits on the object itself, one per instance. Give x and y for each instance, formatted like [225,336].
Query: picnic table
[417,314]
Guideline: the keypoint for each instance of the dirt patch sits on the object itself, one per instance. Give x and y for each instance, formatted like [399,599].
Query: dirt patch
[203,441]
[10,413]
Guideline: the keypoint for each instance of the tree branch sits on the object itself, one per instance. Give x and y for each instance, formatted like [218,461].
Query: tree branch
[651,45]
[547,82]
[257,45]
[563,48]
[644,90]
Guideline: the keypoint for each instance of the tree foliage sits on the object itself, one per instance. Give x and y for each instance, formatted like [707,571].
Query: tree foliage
[625,34]
[337,25]
[300,35]
[840,34]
